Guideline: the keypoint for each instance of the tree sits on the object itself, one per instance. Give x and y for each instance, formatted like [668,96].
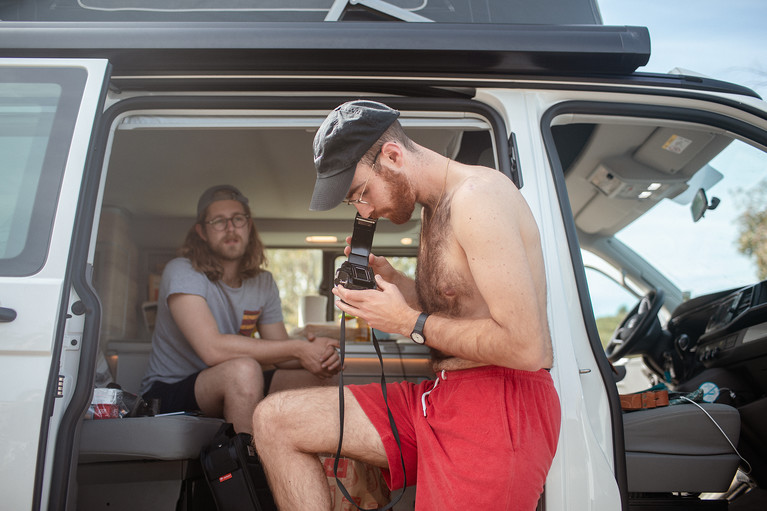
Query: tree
[752,238]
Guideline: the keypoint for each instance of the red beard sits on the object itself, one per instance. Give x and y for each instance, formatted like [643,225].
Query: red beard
[401,195]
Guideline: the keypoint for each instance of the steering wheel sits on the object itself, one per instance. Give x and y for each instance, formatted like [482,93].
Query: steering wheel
[635,327]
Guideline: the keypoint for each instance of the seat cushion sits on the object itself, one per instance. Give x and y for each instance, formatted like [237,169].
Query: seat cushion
[682,429]
[173,437]
[679,448]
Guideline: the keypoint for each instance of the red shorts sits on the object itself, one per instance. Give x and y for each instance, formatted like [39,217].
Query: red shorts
[486,441]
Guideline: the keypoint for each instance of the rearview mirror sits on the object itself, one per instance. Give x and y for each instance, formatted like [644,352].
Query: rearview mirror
[700,204]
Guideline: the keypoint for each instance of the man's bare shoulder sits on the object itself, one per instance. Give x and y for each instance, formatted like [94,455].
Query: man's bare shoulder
[487,190]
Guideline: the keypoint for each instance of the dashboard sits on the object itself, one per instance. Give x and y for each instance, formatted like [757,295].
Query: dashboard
[737,329]
[726,331]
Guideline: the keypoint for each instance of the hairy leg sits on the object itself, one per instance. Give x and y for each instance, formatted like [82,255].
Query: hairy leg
[290,428]
[231,390]
[285,379]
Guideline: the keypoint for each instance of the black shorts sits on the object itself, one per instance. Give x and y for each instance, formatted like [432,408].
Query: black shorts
[174,397]
[179,396]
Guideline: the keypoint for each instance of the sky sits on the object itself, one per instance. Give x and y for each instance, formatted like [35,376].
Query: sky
[726,40]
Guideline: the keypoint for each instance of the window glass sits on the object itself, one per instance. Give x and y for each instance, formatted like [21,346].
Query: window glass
[404,264]
[25,127]
[297,272]
[677,207]
[38,109]
[612,295]
[726,248]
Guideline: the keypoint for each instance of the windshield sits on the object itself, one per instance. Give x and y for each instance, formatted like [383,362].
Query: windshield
[631,183]
[720,250]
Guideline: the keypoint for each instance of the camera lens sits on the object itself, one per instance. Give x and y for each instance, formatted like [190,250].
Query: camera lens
[342,278]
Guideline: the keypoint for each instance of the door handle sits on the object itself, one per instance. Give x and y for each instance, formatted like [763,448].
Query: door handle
[7,315]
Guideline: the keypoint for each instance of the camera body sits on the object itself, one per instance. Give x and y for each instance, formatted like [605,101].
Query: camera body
[355,272]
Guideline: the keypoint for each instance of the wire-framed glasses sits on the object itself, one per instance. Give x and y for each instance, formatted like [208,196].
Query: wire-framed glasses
[358,200]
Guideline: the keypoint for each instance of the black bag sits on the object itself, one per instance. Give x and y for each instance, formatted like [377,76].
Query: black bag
[234,474]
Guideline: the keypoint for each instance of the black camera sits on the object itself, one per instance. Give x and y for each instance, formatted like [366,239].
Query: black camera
[355,272]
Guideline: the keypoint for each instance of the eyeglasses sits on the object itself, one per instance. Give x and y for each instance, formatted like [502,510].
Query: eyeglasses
[219,224]
[352,202]
[358,200]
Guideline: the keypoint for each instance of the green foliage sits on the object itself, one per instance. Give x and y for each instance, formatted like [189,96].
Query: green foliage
[606,325]
[752,236]
[404,264]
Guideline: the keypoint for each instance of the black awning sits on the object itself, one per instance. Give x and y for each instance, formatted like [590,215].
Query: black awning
[462,49]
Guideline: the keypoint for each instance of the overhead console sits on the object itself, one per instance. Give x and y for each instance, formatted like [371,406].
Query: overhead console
[737,328]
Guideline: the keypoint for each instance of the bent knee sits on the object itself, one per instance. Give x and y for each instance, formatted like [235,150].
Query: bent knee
[244,371]
[289,410]
[271,415]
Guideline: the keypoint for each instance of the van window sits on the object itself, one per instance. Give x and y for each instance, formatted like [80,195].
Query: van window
[297,272]
[632,184]
[38,110]
[725,248]
[612,294]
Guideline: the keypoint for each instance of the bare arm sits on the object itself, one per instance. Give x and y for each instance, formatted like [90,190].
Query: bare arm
[277,331]
[502,248]
[195,320]
[505,323]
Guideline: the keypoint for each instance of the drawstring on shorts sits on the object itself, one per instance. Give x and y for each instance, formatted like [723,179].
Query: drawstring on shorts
[423,396]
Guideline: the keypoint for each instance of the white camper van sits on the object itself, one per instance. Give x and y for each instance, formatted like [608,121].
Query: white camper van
[114,116]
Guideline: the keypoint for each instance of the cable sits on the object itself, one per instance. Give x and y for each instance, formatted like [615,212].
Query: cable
[685,398]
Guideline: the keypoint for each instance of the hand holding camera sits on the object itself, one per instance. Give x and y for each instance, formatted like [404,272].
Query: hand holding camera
[355,272]
[388,310]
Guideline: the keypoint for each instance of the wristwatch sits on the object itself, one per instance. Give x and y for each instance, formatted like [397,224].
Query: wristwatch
[417,334]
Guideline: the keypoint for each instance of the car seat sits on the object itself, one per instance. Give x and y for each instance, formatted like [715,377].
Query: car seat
[681,448]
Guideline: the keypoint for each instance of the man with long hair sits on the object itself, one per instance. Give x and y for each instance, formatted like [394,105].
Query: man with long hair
[483,434]
[213,301]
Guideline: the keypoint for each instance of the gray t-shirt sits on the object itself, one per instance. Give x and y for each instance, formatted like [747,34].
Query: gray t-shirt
[256,302]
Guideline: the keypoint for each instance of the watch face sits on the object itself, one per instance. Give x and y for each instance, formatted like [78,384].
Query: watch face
[417,338]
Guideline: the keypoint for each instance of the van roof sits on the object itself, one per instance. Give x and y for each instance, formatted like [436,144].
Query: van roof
[135,48]
[158,52]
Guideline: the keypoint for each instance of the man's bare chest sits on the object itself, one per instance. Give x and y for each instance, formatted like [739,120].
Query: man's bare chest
[443,277]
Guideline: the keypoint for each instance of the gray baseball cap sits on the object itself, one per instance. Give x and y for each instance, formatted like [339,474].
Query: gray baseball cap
[344,137]
[217,193]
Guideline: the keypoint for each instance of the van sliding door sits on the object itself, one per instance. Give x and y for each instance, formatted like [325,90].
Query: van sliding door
[47,112]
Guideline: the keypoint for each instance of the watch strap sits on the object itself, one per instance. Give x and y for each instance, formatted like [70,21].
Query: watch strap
[419,324]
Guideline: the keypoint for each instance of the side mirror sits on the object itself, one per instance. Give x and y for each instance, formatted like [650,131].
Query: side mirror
[700,204]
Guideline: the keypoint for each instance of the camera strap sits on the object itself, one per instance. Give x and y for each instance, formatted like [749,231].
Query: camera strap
[394,431]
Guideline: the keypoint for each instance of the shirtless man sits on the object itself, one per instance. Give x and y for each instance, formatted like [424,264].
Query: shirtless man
[483,434]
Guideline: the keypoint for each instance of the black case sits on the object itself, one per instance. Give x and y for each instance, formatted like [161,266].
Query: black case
[234,474]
